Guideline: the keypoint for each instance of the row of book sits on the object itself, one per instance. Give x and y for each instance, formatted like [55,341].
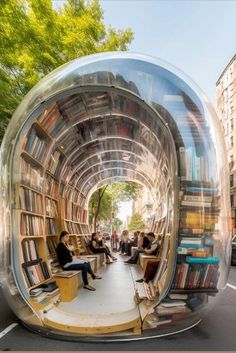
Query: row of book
[52,120]
[76,228]
[30,200]
[31,225]
[30,251]
[56,163]
[196,275]
[31,175]
[193,167]
[35,145]
[35,272]
[51,186]
[73,212]
[176,307]
[51,208]
[51,226]
[52,245]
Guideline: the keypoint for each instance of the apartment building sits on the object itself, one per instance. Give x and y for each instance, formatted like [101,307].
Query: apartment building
[226,110]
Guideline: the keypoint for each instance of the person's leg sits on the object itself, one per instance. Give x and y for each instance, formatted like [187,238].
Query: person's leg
[84,268]
[151,270]
[133,259]
[80,267]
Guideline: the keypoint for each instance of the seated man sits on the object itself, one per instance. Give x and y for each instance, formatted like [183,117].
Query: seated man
[152,249]
[72,263]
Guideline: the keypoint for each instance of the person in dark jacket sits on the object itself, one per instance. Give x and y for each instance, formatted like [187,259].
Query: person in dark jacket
[69,262]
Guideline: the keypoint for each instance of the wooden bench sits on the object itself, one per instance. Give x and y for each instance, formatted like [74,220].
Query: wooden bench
[145,258]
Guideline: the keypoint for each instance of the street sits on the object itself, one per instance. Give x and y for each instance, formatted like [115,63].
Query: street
[216,332]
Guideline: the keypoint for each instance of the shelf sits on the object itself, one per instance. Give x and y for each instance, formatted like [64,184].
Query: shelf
[32,159]
[52,175]
[51,197]
[38,284]
[31,213]
[52,235]
[32,236]
[30,188]
[52,217]
[193,290]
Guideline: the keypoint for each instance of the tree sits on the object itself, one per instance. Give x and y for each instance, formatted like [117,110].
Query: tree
[105,200]
[36,38]
[136,223]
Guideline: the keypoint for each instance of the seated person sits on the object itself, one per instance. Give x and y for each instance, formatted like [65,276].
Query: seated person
[150,250]
[98,247]
[150,271]
[133,242]
[69,262]
[124,242]
[142,243]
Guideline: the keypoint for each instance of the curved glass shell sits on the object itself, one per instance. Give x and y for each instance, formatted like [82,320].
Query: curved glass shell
[97,120]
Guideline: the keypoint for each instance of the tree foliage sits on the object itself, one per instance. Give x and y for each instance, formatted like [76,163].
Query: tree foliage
[105,200]
[36,38]
[136,222]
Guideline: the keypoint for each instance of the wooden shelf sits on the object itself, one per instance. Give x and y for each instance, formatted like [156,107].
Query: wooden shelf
[51,197]
[31,188]
[32,237]
[31,213]
[38,284]
[194,290]
[28,156]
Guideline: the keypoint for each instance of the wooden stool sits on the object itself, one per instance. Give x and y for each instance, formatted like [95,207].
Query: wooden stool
[68,284]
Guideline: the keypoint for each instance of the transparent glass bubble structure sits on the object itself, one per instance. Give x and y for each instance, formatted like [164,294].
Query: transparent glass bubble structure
[94,121]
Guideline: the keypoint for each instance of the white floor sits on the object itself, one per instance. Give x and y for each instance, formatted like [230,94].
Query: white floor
[114,292]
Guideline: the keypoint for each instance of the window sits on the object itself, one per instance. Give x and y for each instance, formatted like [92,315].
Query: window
[231,124]
[231,141]
[231,180]
[232,200]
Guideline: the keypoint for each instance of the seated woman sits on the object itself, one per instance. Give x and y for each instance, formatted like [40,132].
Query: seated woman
[69,262]
[98,247]
[124,242]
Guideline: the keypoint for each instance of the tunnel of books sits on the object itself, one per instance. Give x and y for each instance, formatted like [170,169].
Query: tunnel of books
[97,120]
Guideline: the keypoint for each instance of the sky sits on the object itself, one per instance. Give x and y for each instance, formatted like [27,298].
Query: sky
[198,37]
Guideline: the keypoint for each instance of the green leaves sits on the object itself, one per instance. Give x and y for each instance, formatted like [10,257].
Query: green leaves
[102,204]
[136,223]
[36,38]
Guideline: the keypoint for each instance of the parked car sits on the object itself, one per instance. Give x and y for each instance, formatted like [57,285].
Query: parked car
[233,258]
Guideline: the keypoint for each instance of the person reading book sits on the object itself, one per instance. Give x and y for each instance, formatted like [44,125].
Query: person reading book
[69,262]
[98,247]
[150,250]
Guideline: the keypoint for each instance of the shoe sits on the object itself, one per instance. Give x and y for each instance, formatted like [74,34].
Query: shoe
[141,280]
[129,262]
[114,258]
[89,287]
[108,262]
[97,277]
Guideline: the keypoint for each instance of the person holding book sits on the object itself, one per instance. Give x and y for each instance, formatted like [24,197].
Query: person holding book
[151,249]
[98,247]
[69,262]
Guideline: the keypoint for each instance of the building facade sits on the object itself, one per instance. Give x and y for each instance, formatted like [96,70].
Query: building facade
[226,110]
[144,205]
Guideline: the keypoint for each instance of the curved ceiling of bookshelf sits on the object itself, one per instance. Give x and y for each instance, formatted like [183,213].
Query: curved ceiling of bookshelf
[101,119]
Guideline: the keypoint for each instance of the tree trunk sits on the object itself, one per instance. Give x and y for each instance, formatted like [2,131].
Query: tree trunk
[100,195]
